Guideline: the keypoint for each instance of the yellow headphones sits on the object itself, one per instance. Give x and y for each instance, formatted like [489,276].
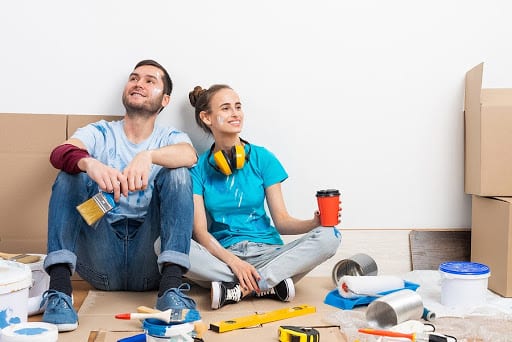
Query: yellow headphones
[227,162]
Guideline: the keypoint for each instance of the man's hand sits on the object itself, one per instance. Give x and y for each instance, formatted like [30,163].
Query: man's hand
[137,172]
[108,179]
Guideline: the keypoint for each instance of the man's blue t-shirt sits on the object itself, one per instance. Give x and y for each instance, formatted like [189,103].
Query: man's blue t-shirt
[107,142]
[236,203]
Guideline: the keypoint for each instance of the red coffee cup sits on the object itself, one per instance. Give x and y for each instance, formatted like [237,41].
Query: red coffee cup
[329,206]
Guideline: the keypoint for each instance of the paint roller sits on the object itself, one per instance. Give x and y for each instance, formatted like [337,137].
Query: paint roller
[362,286]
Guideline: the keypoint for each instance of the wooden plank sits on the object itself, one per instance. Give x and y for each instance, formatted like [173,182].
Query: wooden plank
[430,248]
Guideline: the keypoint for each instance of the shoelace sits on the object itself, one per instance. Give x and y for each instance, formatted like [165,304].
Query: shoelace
[50,293]
[184,287]
[179,298]
[234,294]
[268,292]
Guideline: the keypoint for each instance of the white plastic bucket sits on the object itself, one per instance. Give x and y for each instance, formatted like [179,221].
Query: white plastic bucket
[463,284]
[30,332]
[15,279]
[40,283]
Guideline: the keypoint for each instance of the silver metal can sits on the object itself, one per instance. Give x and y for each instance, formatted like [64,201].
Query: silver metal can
[357,265]
[394,308]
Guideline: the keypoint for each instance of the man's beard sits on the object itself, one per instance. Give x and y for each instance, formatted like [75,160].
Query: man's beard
[143,110]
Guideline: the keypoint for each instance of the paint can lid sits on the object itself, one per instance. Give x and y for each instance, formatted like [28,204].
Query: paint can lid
[464,268]
[30,331]
[14,276]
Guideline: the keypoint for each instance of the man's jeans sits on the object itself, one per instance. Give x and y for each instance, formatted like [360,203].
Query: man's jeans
[120,256]
[273,262]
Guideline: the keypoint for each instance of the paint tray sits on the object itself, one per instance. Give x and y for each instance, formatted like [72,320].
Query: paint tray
[335,299]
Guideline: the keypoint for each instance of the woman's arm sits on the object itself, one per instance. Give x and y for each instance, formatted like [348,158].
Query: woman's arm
[245,272]
[286,224]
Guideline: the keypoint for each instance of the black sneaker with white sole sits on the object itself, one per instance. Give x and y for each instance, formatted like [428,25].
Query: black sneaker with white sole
[284,291]
[223,293]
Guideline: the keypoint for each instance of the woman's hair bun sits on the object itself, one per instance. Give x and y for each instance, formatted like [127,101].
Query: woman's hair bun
[194,95]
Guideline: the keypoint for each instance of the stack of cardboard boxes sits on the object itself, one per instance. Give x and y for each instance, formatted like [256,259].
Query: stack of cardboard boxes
[488,177]
[26,174]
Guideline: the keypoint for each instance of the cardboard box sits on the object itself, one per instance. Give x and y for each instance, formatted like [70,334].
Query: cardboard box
[488,138]
[27,176]
[491,240]
[26,141]
[76,121]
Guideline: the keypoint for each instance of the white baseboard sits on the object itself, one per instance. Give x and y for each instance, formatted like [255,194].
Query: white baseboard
[388,247]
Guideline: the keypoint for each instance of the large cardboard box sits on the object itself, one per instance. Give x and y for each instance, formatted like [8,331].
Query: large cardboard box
[76,121]
[491,240]
[27,176]
[488,137]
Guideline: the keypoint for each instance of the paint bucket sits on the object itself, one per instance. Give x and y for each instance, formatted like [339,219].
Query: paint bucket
[394,308]
[463,283]
[30,332]
[15,279]
[357,265]
[40,283]
[158,331]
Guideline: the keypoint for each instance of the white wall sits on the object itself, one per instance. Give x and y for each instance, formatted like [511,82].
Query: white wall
[365,96]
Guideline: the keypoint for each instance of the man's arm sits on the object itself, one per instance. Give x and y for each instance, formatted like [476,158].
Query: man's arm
[173,156]
[67,155]
[72,157]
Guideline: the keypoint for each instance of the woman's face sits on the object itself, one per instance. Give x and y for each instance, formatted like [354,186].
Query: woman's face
[225,114]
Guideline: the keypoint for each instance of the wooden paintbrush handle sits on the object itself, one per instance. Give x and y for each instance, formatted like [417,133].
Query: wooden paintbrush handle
[23,258]
[146,309]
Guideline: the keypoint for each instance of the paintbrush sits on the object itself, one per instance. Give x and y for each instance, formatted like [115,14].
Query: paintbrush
[95,207]
[167,316]
[23,258]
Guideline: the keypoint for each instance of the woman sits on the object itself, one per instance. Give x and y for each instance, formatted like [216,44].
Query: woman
[237,251]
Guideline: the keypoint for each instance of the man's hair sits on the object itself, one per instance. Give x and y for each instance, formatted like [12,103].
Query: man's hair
[165,78]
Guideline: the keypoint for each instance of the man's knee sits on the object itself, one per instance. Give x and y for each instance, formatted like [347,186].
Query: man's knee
[177,178]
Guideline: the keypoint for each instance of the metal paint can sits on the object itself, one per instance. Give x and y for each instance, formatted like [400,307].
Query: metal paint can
[158,331]
[357,265]
[394,308]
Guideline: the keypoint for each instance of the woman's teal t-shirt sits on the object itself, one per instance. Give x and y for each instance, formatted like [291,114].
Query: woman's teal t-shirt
[235,204]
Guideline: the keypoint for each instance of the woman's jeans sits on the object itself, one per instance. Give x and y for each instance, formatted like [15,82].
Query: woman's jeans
[274,263]
[120,255]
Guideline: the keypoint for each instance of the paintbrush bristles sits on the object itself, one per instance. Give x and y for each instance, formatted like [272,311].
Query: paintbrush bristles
[95,207]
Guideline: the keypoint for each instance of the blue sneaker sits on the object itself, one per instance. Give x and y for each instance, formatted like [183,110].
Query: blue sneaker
[59,310]
[175,299]
[182,308]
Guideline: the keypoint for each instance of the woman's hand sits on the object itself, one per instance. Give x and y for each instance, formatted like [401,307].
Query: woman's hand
[247,275]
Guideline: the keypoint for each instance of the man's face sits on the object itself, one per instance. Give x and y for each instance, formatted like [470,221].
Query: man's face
[143,93]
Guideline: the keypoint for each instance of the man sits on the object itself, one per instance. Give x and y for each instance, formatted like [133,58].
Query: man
[145,167]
